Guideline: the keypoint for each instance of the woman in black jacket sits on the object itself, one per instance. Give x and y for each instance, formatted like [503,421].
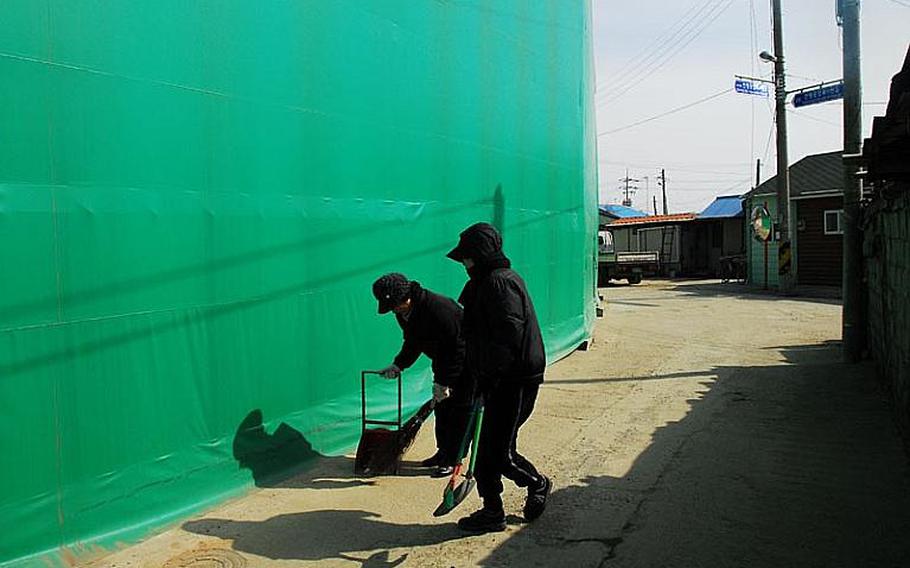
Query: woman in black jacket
[504,354]
[431,325]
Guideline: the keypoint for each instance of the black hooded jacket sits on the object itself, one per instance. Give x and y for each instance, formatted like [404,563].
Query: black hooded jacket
[502,335]
[433,328]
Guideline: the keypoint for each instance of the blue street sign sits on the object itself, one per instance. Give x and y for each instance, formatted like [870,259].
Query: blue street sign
[749,88]
[819,95]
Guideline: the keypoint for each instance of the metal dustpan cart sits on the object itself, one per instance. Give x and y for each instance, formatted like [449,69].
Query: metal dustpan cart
[381,448]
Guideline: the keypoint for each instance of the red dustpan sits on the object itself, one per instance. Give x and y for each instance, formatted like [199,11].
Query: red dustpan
[380,449]
[462,481]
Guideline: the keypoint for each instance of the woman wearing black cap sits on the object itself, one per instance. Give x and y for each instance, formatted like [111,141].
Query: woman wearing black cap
[505,356]
[431,324]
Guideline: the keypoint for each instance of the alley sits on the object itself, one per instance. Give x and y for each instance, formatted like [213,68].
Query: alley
[706,426]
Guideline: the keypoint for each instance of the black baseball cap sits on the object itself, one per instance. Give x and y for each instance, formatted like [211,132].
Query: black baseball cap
[391,290]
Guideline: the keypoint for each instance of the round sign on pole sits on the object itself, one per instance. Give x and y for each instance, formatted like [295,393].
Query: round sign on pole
[761,223]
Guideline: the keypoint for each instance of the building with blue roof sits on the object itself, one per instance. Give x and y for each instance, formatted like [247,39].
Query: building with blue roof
[724,207]
[611,212]
[690,244]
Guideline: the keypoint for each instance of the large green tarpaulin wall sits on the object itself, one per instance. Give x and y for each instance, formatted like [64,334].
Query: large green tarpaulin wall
[195,198]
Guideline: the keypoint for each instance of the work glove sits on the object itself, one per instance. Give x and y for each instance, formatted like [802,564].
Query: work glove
[441,392]
[391,372]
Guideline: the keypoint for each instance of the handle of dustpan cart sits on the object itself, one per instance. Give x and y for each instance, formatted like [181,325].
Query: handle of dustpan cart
[363,403]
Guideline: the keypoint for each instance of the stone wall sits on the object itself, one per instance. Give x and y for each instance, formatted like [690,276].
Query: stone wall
[887,256]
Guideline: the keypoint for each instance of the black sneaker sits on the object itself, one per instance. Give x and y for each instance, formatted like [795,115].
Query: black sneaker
[483,521]
[433,461]
[442,471]
[537,500]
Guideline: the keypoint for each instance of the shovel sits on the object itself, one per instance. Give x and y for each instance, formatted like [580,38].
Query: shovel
[455,492]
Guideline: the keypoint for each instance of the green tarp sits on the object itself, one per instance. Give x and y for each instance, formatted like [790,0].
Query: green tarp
[194,200]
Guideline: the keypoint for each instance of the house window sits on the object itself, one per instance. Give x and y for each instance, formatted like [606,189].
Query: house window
[834,222]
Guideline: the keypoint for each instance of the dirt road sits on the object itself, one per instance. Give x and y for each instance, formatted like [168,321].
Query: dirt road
[705,427]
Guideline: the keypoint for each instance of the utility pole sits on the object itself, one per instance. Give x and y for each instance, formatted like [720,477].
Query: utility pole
[628,189]
[655,205]
[785,273]
[854,312]
[663,188]
[757,172]
[647,188]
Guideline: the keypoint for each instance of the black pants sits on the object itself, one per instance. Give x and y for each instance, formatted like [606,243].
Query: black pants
[452,416]
[505,410]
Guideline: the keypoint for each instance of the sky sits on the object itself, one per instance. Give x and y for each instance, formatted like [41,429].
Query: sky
[654,56]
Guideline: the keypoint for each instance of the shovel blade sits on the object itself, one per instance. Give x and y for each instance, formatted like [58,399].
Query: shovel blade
[452,497]
[448,503]
[463,490]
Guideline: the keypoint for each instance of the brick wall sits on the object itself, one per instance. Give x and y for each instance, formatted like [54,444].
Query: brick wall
[887,256]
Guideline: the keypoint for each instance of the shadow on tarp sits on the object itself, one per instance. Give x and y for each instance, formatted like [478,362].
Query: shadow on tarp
[204,313]
[793,464]
[139,284]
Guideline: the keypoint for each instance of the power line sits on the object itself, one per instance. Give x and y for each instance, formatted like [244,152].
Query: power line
[770,135]
[865,103]
[741,183]
[669,112]
[675,51]
[657,42]
[647,52]
[680,27]
[902,3]
[708,187]
[667,54]
[816,119]
[689,181]
[670,51]
[691,171]
[753,48]
[804,78]
[674,164]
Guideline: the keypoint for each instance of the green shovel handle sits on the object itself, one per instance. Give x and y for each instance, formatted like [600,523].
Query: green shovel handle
[478,422]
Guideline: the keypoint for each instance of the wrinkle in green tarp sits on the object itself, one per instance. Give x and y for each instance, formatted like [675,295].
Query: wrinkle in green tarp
[194,200]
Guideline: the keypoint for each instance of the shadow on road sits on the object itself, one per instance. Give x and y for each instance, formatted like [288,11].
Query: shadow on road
[796,464]
[793,464]
[815,294]
[717,289]
[323,535]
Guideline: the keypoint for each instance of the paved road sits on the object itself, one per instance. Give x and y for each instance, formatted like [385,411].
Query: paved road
[706,427]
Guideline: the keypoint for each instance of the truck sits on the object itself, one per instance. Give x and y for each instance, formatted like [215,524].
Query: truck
[631,266]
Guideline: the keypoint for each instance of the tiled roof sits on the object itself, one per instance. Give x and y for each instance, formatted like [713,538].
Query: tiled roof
[655,219]
[812,174]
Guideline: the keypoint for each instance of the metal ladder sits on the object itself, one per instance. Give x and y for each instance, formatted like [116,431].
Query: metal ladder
[666,248]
